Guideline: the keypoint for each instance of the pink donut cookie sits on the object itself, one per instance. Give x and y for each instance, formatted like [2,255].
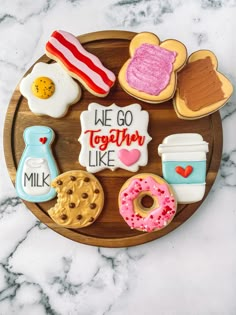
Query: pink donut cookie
[147,202]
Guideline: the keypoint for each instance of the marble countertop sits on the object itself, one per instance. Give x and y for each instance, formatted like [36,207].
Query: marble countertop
[191,270]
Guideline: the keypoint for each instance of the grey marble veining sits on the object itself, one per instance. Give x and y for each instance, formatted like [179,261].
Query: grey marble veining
[191,270]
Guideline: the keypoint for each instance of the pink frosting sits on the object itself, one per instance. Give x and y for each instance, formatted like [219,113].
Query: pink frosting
[156,219]
[150,68]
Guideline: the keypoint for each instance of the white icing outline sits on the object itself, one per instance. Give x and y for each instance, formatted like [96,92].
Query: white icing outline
[140,123]
[185,147]
[38,166]
[67,91]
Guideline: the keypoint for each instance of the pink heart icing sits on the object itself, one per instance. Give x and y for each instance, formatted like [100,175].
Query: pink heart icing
[129,157]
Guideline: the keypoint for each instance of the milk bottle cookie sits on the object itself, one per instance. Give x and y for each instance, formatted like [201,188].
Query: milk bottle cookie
[37,167]
[184,165]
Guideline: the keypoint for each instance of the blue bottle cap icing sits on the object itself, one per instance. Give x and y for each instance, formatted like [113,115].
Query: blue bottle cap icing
[37,167]
[36,135]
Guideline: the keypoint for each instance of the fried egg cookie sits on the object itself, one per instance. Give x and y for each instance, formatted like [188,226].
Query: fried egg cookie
[150,74]
[201,89]
[49,90]
[80,199]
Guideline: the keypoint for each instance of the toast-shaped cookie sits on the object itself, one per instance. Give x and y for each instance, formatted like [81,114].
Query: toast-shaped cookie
[150,74]
[201,88]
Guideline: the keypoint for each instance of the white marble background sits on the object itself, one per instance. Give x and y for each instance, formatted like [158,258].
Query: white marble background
[190,271]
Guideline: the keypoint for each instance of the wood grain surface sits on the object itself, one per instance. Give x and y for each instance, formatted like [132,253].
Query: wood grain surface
[112,47]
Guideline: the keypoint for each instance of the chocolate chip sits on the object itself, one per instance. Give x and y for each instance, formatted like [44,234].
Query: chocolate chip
[73,178]
[86,179]
[79,217]
[84,195]
[92,205]
[91,219]
[59,182]
[63,217]
[96,191]
[71,204]
[69,192]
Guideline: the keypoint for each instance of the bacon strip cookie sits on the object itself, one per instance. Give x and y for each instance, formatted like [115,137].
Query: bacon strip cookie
[65,48]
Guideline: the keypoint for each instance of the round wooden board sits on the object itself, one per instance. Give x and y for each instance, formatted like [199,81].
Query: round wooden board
[110,230]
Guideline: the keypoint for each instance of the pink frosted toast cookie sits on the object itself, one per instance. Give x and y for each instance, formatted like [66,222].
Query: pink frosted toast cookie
[150,73]
[65,48]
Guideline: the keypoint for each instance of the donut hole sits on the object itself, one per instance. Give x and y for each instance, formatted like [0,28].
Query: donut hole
[146,202]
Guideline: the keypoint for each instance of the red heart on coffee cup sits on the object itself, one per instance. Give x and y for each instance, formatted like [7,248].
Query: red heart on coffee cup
[185,172]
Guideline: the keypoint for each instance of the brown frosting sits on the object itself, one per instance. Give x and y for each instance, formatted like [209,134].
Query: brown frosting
[199,85]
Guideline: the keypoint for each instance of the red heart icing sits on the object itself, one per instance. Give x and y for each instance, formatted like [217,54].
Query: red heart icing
[43,140]
[185,172]
[129,157]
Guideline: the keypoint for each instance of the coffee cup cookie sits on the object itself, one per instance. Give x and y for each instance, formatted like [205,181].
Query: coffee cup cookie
[80,199]
[150,73]
[147,202]
[184,165]
[201,88]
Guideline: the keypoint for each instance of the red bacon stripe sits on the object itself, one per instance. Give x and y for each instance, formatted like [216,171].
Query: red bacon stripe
[54,51]
[82,57]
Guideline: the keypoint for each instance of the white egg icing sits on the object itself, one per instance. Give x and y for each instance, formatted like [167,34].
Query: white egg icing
[67,91]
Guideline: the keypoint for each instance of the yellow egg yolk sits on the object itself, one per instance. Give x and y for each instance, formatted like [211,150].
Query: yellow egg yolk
[43,87]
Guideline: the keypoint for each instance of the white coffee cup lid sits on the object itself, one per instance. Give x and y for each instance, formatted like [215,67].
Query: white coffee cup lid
[183,142]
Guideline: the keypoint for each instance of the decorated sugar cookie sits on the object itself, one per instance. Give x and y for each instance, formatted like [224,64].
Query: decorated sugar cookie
[147,202]
[65,48]
[49,90]
[184,165]
[80,199]
[201,88]
[150,73]
[37,167]
[114,137]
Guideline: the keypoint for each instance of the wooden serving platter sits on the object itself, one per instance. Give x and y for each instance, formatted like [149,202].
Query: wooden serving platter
[110,230]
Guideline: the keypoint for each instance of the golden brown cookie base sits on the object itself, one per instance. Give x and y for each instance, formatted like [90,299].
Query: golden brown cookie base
[80,199]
